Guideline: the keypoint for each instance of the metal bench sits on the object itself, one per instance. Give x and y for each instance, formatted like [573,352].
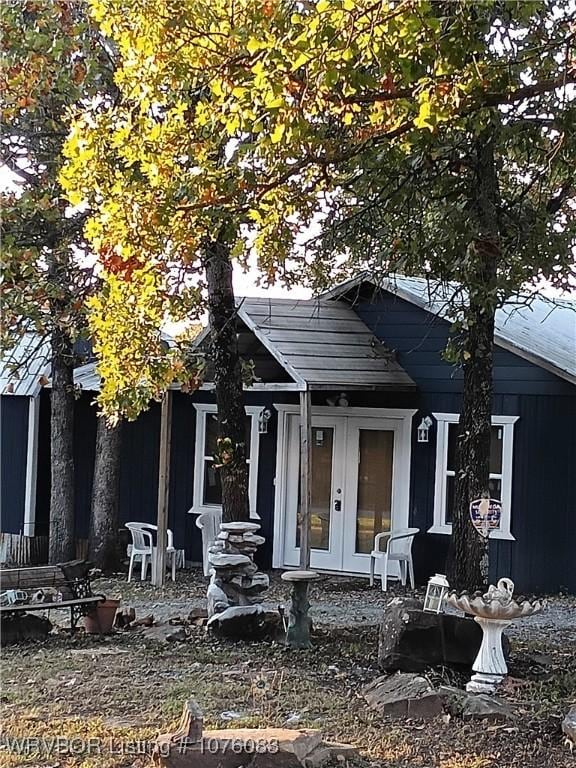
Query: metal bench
[69,581]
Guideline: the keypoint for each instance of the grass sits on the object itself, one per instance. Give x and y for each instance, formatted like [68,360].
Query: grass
[126,689]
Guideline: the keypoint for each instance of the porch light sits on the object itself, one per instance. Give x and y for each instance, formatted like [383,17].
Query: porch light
[263,420]
[436,594]
[424,429]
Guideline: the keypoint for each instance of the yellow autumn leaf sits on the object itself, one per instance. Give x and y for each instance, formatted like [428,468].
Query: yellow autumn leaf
[277,133]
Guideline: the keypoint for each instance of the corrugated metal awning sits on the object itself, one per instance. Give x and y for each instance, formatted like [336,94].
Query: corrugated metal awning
[24,370]
[323,345]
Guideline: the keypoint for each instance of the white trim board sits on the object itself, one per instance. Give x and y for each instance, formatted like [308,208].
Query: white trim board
[440,474]
[202,410]
[31,466]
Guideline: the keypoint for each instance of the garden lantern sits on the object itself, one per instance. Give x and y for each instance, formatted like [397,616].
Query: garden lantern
[436,593]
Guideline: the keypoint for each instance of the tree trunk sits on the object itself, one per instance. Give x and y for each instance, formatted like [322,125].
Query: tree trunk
[61,543]
[468,563]
[103,540]
[231,448]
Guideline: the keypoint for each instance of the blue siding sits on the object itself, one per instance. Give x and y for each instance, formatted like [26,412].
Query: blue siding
[14,443]
[544,482]
[420,338]
[85,425]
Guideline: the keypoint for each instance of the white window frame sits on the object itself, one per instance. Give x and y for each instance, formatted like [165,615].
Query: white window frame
[203,410]
[443,420]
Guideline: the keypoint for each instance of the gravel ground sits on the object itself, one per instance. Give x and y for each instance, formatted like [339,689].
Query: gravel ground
[335,602]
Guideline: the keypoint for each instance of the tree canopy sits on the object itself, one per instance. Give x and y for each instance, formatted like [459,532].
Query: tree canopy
[239,121]
[53,57]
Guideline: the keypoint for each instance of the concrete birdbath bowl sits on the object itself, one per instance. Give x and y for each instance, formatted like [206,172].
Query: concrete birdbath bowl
[494,612]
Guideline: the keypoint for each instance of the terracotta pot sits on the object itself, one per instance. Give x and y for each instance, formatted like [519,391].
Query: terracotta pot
[101,619]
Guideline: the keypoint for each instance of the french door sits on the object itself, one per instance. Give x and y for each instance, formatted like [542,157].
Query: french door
[356,488]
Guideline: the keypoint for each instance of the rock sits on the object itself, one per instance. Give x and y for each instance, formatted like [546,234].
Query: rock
[221,560]
[217,599]
[145,621]
[403,695]
[21,627]
[480,706]
[569,725]
[250,748]
[239,526]
[411,640]
[166,634]
[197,613]
[190,747]
[246,622]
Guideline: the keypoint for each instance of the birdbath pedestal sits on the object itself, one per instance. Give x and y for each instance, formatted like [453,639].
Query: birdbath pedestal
[298,632]
[493,611]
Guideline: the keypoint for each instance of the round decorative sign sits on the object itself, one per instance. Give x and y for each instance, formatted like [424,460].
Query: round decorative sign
[485,515]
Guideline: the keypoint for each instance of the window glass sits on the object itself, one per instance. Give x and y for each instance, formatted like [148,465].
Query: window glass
[452,440]
[212,434]
[496,441]
[212,485]
[212,492]
[494,484]
[450,481]
[374,503]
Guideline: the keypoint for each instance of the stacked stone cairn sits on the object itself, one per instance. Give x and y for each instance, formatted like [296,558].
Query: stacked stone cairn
[236,584]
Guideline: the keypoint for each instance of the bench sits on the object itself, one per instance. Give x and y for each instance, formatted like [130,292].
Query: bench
[68,584]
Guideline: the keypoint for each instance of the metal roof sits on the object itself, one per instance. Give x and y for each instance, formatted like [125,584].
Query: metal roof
[322,345]
[24,368]
[538,328]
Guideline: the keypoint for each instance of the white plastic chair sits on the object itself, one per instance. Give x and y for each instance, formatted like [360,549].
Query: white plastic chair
[399,548]
[143,549]
[209,524]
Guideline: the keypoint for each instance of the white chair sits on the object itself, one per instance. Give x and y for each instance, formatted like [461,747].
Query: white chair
[143,549]
[399,548]
[209,524]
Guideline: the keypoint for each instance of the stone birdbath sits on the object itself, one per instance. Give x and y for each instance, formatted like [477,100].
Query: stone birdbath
[298,632]
[493,611]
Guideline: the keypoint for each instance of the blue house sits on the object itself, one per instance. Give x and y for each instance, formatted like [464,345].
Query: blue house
[371,356]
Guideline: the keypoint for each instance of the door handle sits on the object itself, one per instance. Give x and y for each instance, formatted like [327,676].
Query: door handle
[337,505]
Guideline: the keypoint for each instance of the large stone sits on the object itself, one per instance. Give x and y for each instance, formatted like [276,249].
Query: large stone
[246,622]
[239,526]
[569,725]
[20,627]
[479,706]
[250,748]
[411,640]
[189,747]
[223,560]
[403,695]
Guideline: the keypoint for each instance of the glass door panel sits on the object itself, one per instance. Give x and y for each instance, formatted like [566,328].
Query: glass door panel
[374,498]
[327,454]
[321,489]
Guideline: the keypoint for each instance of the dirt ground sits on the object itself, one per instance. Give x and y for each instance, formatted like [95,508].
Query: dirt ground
[107,698]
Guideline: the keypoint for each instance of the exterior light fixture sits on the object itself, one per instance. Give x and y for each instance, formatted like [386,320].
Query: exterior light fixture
[424,429]
[263,420]
[436,594]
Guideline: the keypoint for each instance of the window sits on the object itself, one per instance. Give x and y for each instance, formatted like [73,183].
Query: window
[207,487]
[500,483]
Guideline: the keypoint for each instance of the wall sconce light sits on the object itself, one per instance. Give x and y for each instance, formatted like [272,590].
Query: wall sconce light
[424,429]
[263,420]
